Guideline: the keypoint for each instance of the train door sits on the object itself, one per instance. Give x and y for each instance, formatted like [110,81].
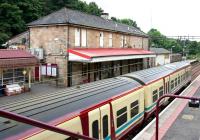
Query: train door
[99,122]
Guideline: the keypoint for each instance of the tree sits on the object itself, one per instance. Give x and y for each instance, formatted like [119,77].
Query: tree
[94,9]
[14,14]
[126,21]
[11,22]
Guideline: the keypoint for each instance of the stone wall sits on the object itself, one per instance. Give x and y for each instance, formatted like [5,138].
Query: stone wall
[55,41]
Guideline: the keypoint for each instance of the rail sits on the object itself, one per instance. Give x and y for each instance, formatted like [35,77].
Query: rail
[26,120]
[157,108]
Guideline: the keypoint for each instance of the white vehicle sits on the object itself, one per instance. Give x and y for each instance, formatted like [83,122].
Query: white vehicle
[13,89]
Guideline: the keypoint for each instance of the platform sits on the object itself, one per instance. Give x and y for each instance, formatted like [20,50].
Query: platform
[177,121]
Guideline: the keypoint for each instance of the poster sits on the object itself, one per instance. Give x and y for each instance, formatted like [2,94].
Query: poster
[44,68]
[48,69]
[54,71]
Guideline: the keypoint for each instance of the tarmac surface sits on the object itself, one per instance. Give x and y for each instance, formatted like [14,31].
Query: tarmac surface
[187,124]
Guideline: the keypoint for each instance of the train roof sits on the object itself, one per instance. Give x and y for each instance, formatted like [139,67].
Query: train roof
[56,105]
[177,65]
[148,75]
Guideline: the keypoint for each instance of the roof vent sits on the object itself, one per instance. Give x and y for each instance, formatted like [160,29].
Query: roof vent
[105,15]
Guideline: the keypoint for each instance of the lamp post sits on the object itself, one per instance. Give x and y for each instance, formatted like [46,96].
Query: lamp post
[24,73]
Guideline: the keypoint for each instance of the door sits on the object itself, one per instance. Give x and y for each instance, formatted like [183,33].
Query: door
[99,122]
[37,73]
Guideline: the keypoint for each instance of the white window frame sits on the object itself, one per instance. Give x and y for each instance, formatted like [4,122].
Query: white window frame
[77,37]
[110,40]
[125,41]
[101,39]
[122,41]
[83,37]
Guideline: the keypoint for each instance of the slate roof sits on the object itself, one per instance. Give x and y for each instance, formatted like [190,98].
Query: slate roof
[16,59]
[68,16]
[159,50]
[12,54]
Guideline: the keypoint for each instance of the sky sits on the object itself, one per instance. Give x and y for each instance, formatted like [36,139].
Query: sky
[170,17]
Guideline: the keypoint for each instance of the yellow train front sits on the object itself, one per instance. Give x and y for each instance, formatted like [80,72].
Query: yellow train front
[106,109]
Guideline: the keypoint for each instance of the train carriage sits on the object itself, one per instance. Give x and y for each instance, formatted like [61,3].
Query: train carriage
[89,109]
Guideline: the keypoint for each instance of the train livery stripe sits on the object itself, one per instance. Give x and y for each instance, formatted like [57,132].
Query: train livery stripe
[127,124]
[150,107]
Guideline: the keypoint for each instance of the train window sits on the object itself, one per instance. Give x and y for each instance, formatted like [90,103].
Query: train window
[182,78]
[168,87]
[155,95]
[105,126]
[165,88]
[172,84]
[179,79]
[121,116]
[176,82]
[134,109]
[71,138]
[95,129]
[161,91]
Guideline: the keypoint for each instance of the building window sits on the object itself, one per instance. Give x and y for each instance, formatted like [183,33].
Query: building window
[125,41]
[105,126]
[101,39]
[122,41]
[84,69]
[95,129]
[77,37]
[83,37]
[161,91]
[155,95]
[134,109]
[110,40]
[121,116]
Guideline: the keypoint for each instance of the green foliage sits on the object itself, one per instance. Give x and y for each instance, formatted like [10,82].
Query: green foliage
[11,22]
[178,46]
[14,14]
[127,21]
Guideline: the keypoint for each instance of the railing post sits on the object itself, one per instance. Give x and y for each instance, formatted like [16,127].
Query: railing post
[26,120]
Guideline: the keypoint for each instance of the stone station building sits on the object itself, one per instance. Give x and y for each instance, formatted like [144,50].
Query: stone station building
[88,48]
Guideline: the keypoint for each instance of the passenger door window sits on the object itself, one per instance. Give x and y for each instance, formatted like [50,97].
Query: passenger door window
[105,126]
[95,129]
